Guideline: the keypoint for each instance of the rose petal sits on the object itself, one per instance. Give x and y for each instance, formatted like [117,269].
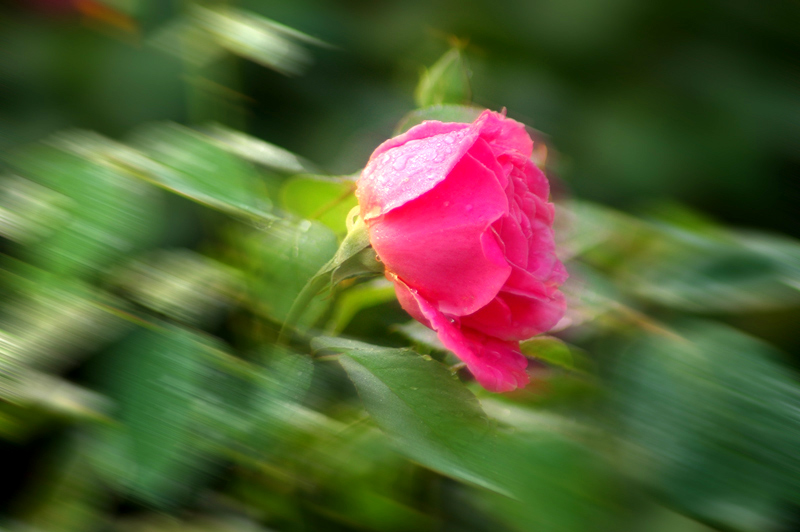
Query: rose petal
[407,300]
[537,181]
[541,256]
[442,243]
[517,317]
[500,366]
[404,168]
[428,128]
[461,218]
[515,244]
[504,134]
[497,365]
[524,283]
[482,152]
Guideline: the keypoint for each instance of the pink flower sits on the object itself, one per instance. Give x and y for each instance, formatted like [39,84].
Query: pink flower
[460,217]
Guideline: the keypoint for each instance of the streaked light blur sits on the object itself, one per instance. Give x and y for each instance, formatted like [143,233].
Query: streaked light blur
[175,173]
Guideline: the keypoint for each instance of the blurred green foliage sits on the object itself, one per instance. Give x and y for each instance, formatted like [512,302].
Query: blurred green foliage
[447,81]
[190,341]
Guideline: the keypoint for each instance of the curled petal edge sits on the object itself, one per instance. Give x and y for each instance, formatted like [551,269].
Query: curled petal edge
[497,365]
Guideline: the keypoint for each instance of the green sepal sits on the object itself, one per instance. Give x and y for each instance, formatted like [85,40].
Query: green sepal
[354,258]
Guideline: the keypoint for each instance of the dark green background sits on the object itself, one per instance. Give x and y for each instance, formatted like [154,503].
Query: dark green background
[646,102]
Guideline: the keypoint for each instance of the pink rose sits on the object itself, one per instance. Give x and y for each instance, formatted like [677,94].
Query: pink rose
[460,217]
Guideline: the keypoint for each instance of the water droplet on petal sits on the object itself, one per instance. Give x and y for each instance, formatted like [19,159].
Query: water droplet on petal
[449,139]
[400,162]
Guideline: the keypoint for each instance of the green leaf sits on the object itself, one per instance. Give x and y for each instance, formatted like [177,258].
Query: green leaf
[286,377]
[29,211]
[722,272]
[180,284]
[429,414]
[420,335]
[337,344]
[555,352]
[156,378]
[687,263]
[539,478]
[280,386]
[283,258]
[446,82]
[257,38]
[356,299]
[55,322]
[260,152]
[188,41]
[583,227]
[558,486]
[353,258]
[320,198]
[442,113]
[105,214]
[712,423]
[550,350]
[195,166]
[56,397]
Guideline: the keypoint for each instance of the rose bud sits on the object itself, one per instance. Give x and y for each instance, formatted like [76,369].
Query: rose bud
[460,217]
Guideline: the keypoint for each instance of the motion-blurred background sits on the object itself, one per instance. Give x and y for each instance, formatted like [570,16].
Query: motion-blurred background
[695,101]
[159,215]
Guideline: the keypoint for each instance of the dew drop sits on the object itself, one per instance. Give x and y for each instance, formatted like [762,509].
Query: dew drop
[446,203]
[449,139]
[400,162]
